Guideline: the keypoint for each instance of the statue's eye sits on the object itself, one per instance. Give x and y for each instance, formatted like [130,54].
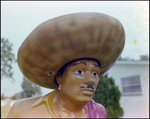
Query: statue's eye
[94,74]
[79,71]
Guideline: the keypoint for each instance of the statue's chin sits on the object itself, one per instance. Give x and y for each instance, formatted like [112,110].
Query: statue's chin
[85,99]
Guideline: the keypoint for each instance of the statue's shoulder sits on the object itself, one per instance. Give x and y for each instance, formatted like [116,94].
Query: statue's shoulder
[26,102]
[21,106]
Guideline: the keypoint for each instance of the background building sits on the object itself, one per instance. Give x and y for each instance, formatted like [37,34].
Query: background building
[132,78]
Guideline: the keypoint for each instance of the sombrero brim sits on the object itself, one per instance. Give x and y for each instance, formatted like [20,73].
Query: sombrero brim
[58,41]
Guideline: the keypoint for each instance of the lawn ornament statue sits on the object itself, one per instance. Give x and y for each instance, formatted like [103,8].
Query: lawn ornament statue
[68,54]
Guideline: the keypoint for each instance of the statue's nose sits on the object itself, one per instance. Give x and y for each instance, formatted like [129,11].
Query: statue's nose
[89,79]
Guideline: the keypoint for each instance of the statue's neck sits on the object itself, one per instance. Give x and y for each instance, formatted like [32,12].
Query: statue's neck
[65,107]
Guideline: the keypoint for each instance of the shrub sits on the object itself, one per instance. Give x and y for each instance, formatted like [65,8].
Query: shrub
[108,94]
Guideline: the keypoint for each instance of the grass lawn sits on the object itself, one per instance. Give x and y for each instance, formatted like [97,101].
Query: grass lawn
[4,111]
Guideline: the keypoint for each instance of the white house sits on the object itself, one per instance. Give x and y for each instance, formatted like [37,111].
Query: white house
[132,78]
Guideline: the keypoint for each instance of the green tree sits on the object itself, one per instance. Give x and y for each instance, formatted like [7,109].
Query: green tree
[29,89]
[109,95]
[144,57]
[14,97]
[122,59]
[7,58]
[125,59]
[3,97]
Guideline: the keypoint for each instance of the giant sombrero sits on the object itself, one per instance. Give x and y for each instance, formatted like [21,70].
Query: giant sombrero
[60,40]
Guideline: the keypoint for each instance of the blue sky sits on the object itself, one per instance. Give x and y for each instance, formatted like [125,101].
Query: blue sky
[18,19]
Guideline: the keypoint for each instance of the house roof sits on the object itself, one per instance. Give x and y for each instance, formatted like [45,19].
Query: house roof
[136,62]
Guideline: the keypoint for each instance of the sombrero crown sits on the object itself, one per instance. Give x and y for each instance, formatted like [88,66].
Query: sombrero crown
[58,41]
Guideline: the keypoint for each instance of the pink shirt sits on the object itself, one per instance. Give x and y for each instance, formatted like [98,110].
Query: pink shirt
[95,110]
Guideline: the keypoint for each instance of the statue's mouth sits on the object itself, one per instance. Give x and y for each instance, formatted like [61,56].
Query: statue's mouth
[90,87]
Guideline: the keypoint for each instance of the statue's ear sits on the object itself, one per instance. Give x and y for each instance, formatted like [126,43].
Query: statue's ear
[58,78]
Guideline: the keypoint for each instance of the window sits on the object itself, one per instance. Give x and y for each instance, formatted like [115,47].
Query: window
[131,85]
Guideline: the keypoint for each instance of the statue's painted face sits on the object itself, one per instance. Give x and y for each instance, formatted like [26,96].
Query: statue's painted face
[79,80]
